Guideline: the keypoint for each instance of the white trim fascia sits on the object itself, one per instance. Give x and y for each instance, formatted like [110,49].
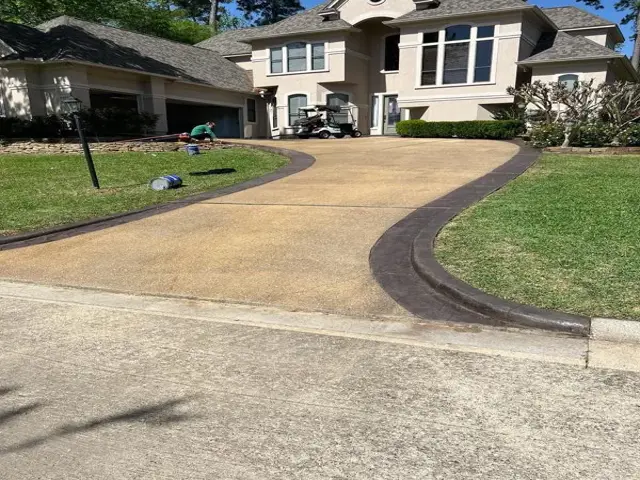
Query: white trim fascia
[448,98]
[235,55]
[195,101]
[576,29]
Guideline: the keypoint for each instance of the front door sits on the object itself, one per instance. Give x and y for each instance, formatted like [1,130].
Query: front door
[391,114]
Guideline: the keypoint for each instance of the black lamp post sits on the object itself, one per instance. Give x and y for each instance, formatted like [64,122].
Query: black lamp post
[74,105]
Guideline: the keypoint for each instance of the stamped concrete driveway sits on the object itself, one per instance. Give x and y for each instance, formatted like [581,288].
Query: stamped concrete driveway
[301,243]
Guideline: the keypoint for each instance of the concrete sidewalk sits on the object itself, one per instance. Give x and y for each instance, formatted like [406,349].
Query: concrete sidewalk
[102,386]
[301,243]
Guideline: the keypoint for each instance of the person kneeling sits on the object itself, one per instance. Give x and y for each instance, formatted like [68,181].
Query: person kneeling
[202,132]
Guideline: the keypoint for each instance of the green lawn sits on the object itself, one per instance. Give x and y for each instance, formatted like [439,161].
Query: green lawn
[565,236]
[47,190]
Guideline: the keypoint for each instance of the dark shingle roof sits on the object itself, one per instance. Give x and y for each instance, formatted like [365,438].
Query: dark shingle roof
[236,42]
[449,8]
[560,46]
[308,21]
[567,18]
[20,41]
[66,38]
[230,42]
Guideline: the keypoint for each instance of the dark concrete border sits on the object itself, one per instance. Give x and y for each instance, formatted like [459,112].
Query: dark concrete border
[404,264]
[299,161]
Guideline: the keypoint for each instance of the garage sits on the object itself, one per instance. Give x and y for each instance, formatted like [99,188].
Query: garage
[183,116]
[120,101]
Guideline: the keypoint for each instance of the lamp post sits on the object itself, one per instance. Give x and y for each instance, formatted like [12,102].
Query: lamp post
[74,105]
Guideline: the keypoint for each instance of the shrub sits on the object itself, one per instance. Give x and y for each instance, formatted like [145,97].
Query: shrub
[107,122]
[547,135]
[630,137]
[115,122]
[594,134]
[483,129]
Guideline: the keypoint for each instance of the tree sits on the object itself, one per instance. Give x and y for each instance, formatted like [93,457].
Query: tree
[266,12]
[179,20]
[632,16]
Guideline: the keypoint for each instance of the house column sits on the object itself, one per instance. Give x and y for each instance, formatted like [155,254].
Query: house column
[154,101]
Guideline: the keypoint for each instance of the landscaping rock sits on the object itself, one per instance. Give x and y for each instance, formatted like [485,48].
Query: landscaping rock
[32,147]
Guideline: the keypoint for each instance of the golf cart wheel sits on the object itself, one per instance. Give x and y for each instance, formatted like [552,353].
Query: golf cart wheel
[339,135]
[356,134]
[324,135]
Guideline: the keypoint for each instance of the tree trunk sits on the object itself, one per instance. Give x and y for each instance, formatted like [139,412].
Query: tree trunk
[213,15]
[635,60]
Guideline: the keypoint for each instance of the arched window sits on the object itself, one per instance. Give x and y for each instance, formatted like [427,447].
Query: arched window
[570,80]
[392,53]
[295,102]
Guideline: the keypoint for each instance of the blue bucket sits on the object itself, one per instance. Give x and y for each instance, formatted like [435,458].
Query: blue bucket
[166,182]
[193,149]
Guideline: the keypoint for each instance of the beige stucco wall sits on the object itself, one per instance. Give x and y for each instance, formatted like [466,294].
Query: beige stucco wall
[460,102]
[356,11]
[603,36]
[585,71]
[36,90]
[243,61]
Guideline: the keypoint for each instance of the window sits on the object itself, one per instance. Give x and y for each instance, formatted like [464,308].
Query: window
[251,110]
[392,53]
[339,100]
[317,56]
[297,57]
[570,81]
[459,54]
[375,111]
[484,56]
[429,65]
[295,103]
[276,60]
[274,106]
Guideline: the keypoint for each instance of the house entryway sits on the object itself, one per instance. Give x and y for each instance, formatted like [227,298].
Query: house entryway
[391,116]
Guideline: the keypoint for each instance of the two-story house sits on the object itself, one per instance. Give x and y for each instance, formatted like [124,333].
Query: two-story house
[419,59]
[387,59]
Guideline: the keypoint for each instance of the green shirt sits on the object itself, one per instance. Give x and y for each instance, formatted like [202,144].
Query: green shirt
[200,129]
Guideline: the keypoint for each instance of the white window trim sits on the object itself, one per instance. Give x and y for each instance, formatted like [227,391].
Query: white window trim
[290,94]
[285,59]
[578,75]
[246,113]
[473,44]
[325,96]
[381,106]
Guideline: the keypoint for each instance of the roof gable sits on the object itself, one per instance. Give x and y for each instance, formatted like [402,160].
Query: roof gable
[568,18]
[560,46]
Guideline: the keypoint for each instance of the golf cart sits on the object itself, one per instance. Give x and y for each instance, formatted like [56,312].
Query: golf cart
[320,121]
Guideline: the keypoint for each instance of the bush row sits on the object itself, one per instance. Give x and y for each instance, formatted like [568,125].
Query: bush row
[487,129]
[595,134]
[107,122]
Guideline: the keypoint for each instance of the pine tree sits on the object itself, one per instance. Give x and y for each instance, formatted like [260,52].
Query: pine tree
[266,12]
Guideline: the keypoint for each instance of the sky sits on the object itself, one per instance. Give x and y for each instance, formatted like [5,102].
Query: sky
[608,12]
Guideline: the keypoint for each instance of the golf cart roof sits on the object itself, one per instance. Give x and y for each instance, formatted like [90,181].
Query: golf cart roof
[321,108]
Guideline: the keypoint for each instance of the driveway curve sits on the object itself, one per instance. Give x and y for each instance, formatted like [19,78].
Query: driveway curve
[300,243]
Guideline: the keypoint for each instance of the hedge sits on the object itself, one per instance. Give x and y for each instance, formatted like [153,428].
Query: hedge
[106,122]
[487,129]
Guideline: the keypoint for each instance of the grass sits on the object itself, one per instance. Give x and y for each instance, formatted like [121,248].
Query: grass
[38,191]
[564,236]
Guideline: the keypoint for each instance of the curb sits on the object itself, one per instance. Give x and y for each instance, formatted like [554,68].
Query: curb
[433,290]
[299,161]
[612,330]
